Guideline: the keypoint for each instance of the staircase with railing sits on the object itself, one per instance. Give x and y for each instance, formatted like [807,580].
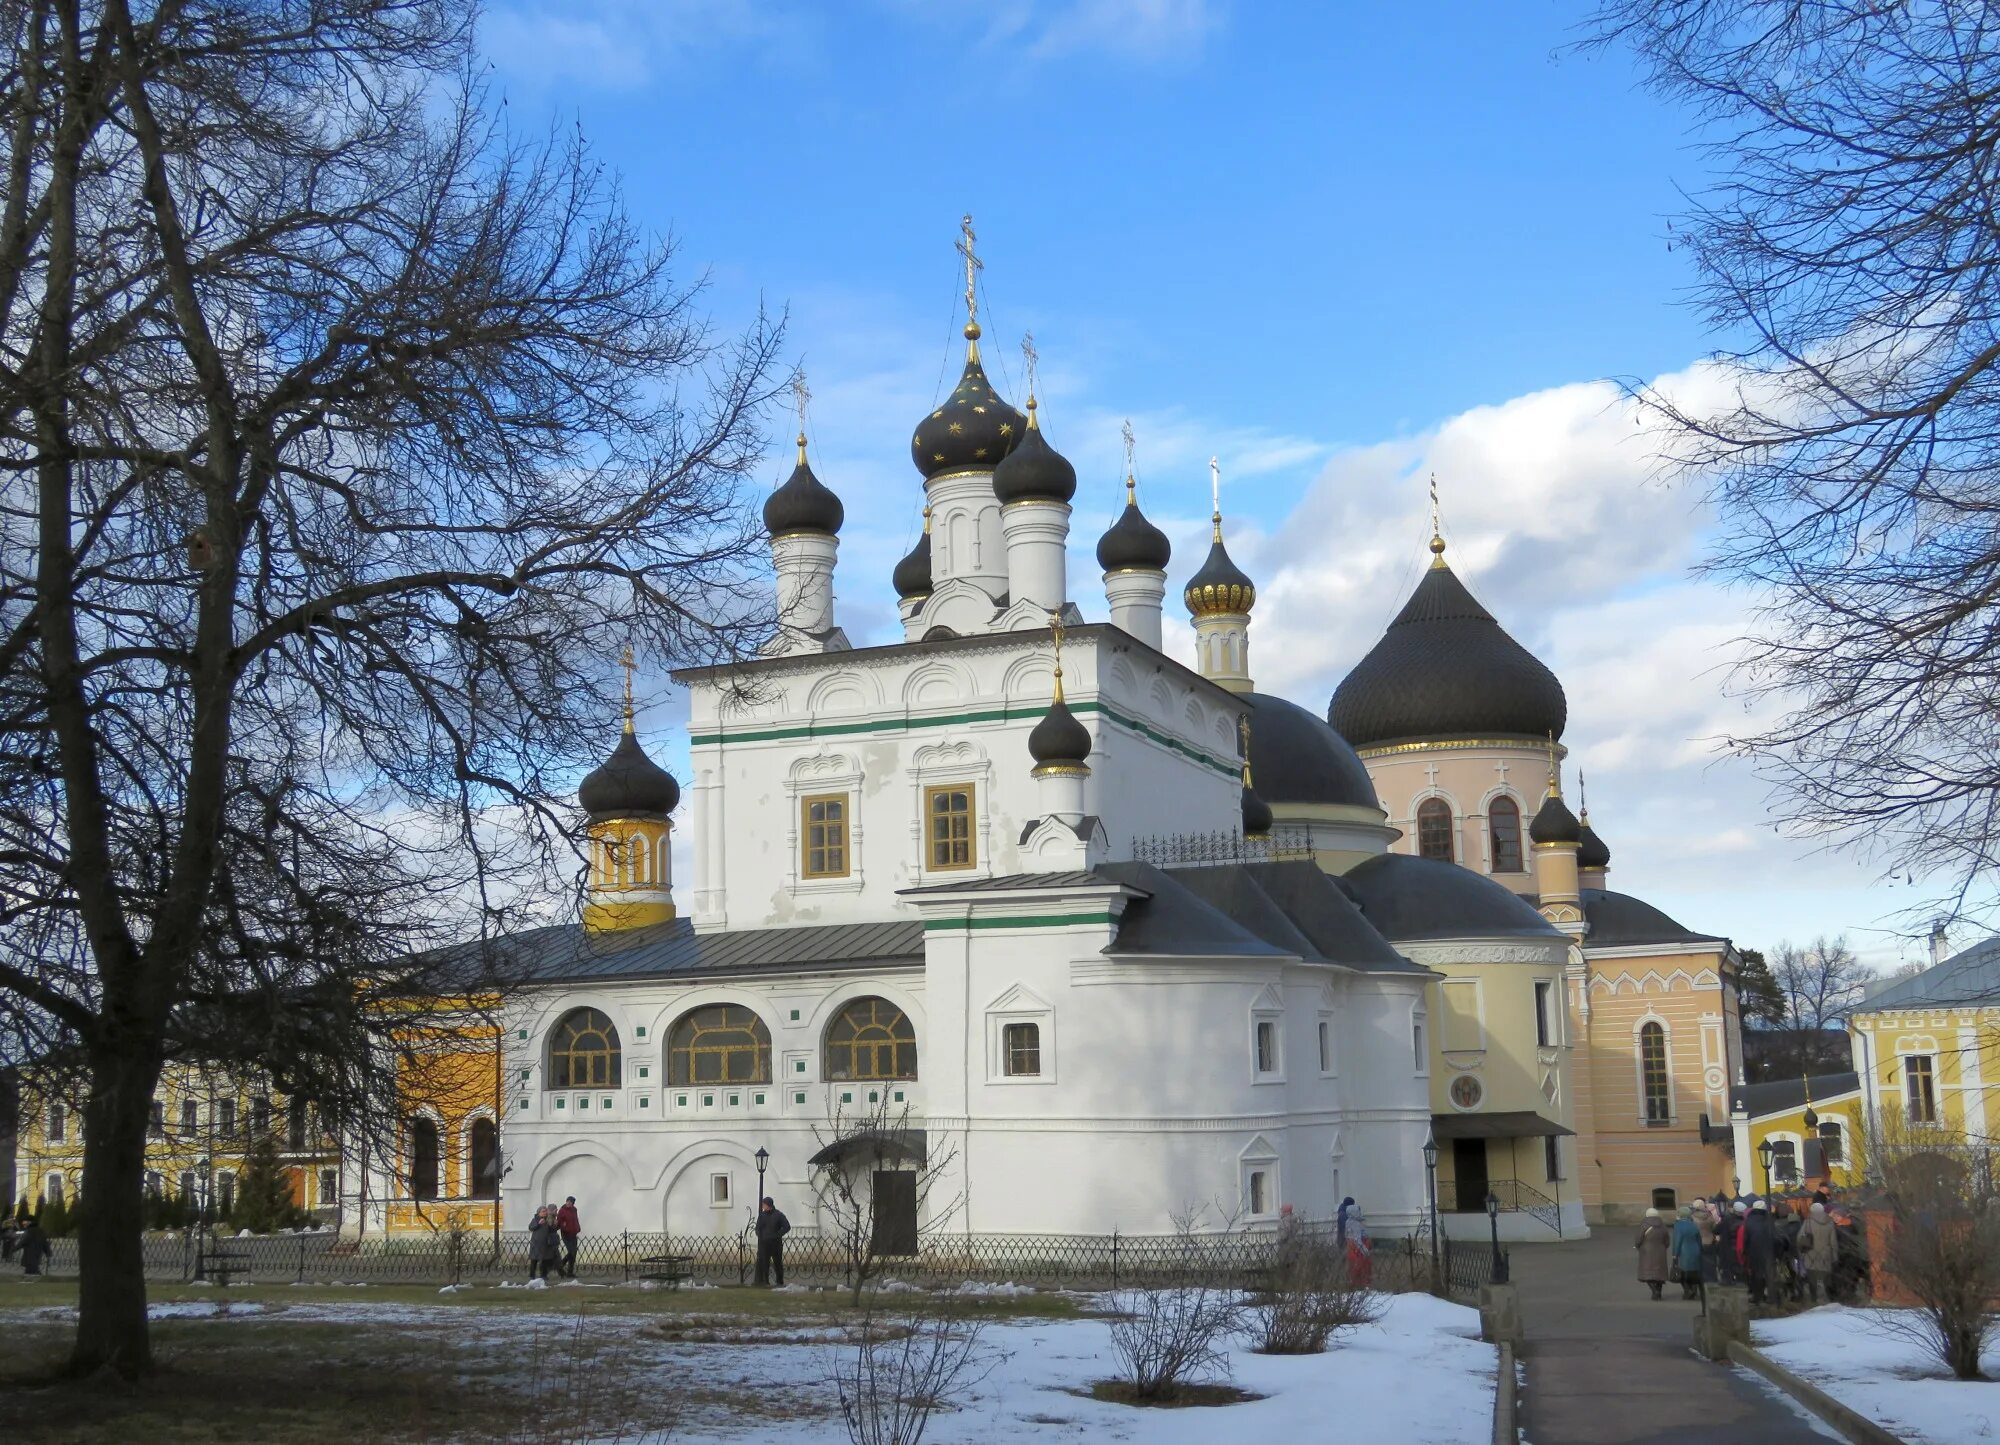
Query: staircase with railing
[1518,1198]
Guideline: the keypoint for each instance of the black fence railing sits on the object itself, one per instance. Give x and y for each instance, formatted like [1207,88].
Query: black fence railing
[1292,840]
[1050,1261]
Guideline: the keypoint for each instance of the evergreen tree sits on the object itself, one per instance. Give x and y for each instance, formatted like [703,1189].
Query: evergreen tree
[1757,987]
[263,1194]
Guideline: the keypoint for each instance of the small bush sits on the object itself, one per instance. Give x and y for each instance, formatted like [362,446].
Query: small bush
[905,1365]
[1312,1300]
[1166,1339]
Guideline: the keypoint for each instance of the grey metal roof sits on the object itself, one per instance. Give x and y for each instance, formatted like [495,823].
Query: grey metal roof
[1408,899]
[1971,976]
[1172,921]
[1618,920]
[1011,883]
[567,953]
[1781,1096]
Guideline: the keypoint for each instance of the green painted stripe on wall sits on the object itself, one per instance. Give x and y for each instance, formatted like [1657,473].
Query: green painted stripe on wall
[1005,713]
[1038,920]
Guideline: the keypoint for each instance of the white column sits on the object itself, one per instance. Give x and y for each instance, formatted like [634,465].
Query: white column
[1135,598]
[804,563]
[1061,792]
[967,543]
[1222,649]
[1037,532]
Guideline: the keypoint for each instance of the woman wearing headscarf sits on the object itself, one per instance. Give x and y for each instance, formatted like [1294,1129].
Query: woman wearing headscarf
[1651,1242]
[1685,1248]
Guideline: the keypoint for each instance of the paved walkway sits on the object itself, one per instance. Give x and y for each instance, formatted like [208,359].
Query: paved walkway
[1606,1365]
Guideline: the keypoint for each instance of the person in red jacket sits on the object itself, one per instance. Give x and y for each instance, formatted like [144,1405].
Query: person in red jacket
[569,1227]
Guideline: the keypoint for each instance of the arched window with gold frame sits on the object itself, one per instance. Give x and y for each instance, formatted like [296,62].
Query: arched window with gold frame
[870,1038]
[1434,825]
[583,1052]
[719,1043]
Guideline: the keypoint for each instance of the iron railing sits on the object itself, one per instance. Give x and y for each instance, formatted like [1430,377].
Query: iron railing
[1518,1198]
[1292,840]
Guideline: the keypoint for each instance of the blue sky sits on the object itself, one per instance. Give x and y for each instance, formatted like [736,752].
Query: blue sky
[1338,246]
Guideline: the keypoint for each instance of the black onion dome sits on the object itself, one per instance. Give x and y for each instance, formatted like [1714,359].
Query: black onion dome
[626,784]
[974,428]
[1034,471]
[1555,823]
[1220,585]
[1256,814]
[1059,740]
[1297,758]
[1133,544]
[803,503]
[913,574]
[1446,669]
[1591,851]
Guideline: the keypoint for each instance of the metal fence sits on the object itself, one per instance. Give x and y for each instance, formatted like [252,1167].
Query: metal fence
[1065,1261]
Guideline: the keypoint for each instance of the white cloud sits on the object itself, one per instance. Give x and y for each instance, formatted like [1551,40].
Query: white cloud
[1148,30]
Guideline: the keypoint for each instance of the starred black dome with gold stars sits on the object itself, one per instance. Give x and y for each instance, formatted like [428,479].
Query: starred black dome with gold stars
[973,429]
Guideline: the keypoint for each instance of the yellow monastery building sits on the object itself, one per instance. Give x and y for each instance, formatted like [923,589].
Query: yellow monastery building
[1927,1050]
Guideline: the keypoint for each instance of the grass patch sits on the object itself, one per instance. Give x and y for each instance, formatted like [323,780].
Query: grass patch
[1181,1397]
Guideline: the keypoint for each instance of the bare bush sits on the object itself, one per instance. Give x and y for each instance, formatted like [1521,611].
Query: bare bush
[580,1394]
[905,1365]
[1313,1299]
[1166,1339]
[864,1143]
[1944,1244]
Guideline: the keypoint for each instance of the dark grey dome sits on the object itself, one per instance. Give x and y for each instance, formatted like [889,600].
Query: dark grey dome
[974,428]
[1591,850]
[1220,585]
[1034,471]
[1059,740]
[627,784]
[1554,823]
[1409,899]
[913,574]
[1256,814]
[803,503]
[1446,669]
[1618,920]
[1133,544]
[1297,758]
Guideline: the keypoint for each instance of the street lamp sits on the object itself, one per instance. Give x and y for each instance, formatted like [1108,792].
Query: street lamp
[201,1168]
[1493,1218]
[1764,1152]
[1431,1169]
[763,1158]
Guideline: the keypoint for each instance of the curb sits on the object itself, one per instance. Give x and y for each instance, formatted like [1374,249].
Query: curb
[1857,1428]
[1505,1383]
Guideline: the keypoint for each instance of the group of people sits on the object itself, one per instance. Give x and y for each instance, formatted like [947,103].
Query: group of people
[1781,1257]
[24,1233]
[552,1240]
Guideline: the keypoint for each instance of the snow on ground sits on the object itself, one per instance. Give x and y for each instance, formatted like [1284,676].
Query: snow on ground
[1870,1368]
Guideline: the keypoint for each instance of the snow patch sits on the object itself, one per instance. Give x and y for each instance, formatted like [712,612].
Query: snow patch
[1863,1362]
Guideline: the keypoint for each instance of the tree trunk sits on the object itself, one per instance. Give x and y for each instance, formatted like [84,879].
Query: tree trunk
[111,1297]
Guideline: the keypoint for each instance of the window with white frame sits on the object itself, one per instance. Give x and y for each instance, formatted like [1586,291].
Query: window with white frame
[1784,1161]
[1021,1050]
[58,1130]
[52,1187]
[1920,1088]
[1418,1044]
[1552,1157]
[1832,1142]
[718,1190]
[1655,1082]
[1326,1046]
[1545,1013]
[1264,1042]
[1257,1197]
[1020,1038]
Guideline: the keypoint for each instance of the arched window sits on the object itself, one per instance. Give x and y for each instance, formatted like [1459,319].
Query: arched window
[423,1159]
[583,1052]
[1784,1162]
[1832,1143]
[1434,829]
[1653,1078]
[485,1152]
[871,1038]
[1503,825]
[638,874]
[719,1044]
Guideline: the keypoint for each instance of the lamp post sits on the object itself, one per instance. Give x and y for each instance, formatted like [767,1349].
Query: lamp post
[201,1168]
[1431,1169]
[1764,1152]
[1493,1218]
[763,1158]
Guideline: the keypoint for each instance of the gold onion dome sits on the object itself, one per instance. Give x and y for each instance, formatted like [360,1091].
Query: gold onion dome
[803,503]
[974,429]
[1034,471]
[912,576]
[1220,586]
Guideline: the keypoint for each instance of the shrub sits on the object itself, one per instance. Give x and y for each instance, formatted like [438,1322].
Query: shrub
[905,1365]
[1169,1338]
[1312,1299]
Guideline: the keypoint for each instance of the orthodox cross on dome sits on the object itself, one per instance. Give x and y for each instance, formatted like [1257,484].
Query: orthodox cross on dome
[1582,796]
[1215,494]
[1437,530]
[1555,769]
[973,266]
[1131,475]
[1033,359]
[1056,634]
[1243,742]
[801,394]
[625,661]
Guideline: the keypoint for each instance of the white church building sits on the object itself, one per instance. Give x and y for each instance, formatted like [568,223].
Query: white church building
[1112,935]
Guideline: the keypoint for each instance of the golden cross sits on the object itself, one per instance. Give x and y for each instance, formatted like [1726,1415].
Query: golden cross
[1555,775]
[1437,533]
[1056,632]
[1243,739]
[625,661]
[1032,357]
[801,394]
[973,266]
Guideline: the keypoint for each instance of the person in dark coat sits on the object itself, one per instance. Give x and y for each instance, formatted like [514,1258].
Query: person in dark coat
[1757,1247]
[1652,1243]
[1686,1251]
[569,1226]
[34,1246]
[772,1227]
[6,1236]
[1728,1235]
[542,1243]
[1340,1224]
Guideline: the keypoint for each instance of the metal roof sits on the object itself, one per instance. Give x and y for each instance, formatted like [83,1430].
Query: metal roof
[1971,976]
[1618,920]
[568,953]
[1011,883]
[1781,1096]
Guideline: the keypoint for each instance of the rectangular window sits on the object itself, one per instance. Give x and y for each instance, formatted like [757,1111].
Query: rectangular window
[153,1184]
[58,1124]
[1267,1046]
[190,1117]
[1022,1046]
[329,1188]
[825,829]
[187,1187]
[225,1117]
[1325,1047]
[1545,1033]
[1260,1192]
[948,826]
[1423,1058]
[225,1193]
[156,1122]
[260,1117]
[1784,1161]
[1655,1082]
[1919,1089]
[718,1189]
[1832,1148]
[1552,1157]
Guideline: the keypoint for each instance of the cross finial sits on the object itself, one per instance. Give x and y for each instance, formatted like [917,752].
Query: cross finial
[801,394]
[625,661]
[1056,633]
[1031,357]
[973,266]
[1243,743]
[1555,771]
[1131,475]
[1582,799]
[1437,531]
[1215,494]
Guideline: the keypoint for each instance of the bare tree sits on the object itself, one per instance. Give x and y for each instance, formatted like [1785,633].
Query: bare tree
[1311,1297]
[344,439]
[1848,250]
[1178,1335]
[879,1186]
[904,1366]
[1943,1242]
[1819,985]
